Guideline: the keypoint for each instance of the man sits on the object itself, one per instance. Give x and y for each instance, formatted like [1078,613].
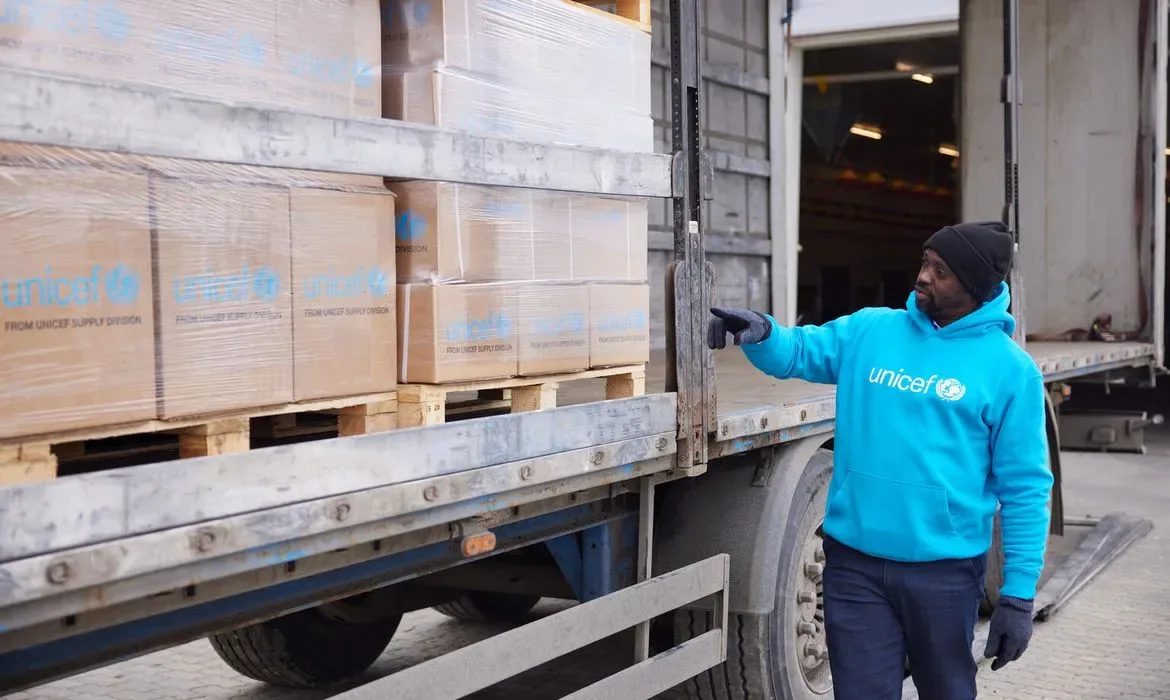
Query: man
[940,419]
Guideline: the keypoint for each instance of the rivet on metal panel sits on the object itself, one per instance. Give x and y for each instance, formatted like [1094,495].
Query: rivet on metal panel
[431,493]
[660,444]
[59,572]
[340,511]
[526,472]
[597,457]
[203,540]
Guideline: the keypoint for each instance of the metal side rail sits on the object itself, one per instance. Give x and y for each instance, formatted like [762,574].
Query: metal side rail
[481,665]
[81,544]
[52,110]
[1111,536]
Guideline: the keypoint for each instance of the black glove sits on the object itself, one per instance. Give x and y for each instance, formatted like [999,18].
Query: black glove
[1011,630]
[746,327]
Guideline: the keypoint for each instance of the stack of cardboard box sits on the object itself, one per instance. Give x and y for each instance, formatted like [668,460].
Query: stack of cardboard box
[498,281]
[134,288]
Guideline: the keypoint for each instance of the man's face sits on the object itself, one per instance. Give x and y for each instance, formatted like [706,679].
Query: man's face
[938,293]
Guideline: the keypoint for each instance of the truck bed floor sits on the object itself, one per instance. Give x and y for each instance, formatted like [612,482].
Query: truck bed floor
[743,389]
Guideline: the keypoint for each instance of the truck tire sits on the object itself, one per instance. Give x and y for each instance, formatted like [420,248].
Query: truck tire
[485,606]
[781,655]
[993,571]
[306,649]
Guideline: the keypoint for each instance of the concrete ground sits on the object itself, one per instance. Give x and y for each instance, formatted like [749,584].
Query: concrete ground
[1112,642]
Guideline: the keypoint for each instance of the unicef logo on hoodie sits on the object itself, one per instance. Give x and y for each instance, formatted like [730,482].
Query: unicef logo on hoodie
[950,389]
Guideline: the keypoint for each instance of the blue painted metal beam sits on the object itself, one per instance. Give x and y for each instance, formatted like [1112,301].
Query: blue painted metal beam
[566,552]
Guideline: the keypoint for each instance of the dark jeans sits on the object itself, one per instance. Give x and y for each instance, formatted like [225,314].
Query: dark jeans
[878,613]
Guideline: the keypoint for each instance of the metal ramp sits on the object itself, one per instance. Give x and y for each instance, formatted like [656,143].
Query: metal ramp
[1110,537]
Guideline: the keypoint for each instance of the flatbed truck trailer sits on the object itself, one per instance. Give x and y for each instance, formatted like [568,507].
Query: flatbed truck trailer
[695,507]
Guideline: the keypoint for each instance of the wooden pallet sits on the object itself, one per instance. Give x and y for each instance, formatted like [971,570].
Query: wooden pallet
[432,404]
[636,13]
[36,458]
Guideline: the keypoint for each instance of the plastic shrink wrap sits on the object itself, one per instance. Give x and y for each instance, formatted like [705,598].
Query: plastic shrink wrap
[506,281]
[135,289]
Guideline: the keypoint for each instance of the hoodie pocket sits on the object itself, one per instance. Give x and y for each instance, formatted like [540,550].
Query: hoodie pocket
[892,519]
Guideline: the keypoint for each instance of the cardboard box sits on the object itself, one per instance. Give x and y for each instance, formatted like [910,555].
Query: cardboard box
[619,324]
[224,298]
[344,332]
[554,328]
[429,33]
[545,70]
[76,314]
[523,42]
[610,239]
[470,103]
[330,54]
[461,233]
[317,55]
[456,332]
[534,112]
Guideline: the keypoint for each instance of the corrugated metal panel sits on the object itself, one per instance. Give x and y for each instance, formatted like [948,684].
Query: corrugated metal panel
[735,102]
[1078,132]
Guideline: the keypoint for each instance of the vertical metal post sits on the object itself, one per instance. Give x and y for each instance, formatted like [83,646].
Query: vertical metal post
[783,260]
[690,371]
[1011,96]
[645,561]
[1162,27]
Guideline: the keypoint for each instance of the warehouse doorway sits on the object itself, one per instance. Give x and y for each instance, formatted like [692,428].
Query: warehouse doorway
[878,169]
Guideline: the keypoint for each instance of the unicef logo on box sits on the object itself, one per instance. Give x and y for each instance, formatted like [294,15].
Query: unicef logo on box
[122,284]
[105,19]
[410,226]
[119,284]
[497,326]
[347,285]
[249,284]
[405,14]
[626,322]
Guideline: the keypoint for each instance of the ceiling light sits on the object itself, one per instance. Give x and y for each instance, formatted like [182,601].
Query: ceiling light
[923,78]
[869,132]
[1168,151]
[903,66]
[947,149]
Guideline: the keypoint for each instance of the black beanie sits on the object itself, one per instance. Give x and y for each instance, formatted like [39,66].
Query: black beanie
[979,253]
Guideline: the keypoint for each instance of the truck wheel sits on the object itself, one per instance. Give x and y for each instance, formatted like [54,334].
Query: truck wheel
[782,655]
[306,649]
[993,571]
[484,606]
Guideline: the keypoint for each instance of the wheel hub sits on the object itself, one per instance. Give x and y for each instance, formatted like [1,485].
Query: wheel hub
[810,609]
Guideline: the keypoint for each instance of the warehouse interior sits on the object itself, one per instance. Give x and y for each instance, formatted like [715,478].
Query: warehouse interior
[879,170]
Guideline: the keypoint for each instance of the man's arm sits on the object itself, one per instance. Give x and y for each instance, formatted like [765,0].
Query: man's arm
[812,353]
[1023,483]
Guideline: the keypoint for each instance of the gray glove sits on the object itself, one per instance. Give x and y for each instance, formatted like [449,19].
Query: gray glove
[746,327]
[1011,630]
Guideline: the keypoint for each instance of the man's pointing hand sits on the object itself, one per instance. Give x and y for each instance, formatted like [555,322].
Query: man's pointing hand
[746,327]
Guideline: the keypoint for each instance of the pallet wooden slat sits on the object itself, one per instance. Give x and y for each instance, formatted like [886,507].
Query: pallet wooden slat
[34,458]
[634,12]
[427,404]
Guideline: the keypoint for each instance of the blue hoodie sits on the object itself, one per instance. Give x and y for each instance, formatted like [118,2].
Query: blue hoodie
[935,427]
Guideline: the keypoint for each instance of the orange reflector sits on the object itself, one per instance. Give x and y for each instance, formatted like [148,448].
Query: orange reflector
[476,545]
